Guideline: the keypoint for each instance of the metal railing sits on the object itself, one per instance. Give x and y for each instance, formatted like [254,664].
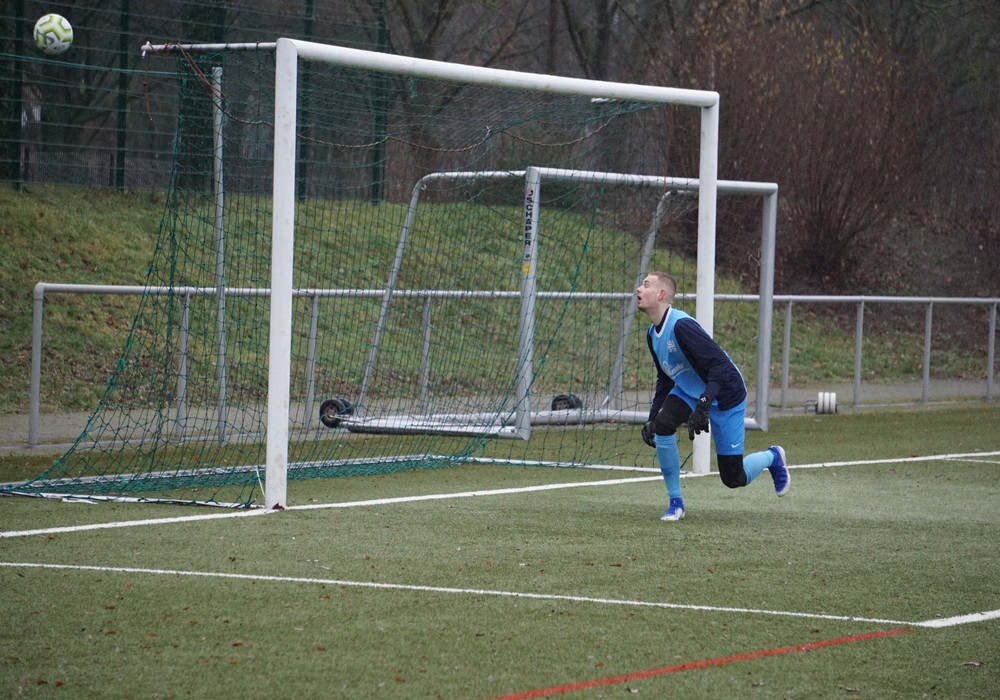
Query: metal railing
[860,301]
[187,292]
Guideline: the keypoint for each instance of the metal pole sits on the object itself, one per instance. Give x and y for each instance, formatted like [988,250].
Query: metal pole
[383,312]
[182,365]
[397,262]
[220,251]
[926,381]
[34,392]
[786,353]
[425,357]
[859,332]
[282,245]
[121,113]
[765,309]
[991,347]
[705,303]
[526,321]
[305,96]
[616,389]
[628,313]
[308,418]
[381,110]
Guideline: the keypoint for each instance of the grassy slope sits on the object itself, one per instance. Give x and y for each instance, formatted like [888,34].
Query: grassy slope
[69,236]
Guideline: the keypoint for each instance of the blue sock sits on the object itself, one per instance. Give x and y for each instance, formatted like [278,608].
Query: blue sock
[670,463]
[757,462]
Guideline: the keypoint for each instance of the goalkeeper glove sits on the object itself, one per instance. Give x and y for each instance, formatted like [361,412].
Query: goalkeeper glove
[649,434]
[697,422]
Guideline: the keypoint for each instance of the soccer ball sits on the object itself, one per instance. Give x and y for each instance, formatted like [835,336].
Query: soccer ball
[53,34]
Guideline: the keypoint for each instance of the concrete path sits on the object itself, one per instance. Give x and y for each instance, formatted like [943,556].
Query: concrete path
[56,432]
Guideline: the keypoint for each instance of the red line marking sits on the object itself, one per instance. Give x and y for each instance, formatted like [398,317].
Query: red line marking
[691,665]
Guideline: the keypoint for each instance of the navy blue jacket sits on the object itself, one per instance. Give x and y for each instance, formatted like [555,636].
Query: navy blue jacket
[723,381]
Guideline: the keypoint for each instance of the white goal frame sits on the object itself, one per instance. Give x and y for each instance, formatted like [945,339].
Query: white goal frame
[287,55]
[518,423]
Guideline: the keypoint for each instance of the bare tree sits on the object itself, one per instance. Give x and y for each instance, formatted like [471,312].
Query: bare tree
[483,32]
[839,124]
[478,32]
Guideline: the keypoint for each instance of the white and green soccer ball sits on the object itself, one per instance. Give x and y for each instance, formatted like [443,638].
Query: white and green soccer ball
[53,34]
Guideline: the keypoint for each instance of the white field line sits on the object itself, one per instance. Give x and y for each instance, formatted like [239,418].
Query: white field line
[315,506]
[464,494]
[934,623]
[965,456]
[439,589]
[961,619]
[386,586]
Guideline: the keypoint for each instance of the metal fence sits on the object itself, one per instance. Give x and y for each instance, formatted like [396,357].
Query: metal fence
[789,301]
[100,115]
[859,302]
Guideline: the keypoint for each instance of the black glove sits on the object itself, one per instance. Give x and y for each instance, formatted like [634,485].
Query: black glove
[697,422]
[649,434]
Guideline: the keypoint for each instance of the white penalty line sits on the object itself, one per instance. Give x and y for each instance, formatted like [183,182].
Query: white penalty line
[383,585]
[963,456]
[320,506]
[462,494]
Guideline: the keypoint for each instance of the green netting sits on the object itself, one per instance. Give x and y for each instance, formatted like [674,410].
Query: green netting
[425,378]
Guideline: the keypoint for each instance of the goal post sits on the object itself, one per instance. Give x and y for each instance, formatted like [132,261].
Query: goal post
[498,303]
[288,54]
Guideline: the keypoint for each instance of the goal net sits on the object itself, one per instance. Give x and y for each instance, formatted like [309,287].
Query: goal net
[370,263]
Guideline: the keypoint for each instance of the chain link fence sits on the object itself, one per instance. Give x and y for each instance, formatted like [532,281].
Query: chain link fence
[100,115]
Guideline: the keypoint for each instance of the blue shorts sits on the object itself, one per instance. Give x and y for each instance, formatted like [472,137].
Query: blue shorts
[728,427]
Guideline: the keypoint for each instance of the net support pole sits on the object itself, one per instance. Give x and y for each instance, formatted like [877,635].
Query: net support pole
[615,387]
[705,303]
[526,330]
[220,249]
[765,308]
[282,245]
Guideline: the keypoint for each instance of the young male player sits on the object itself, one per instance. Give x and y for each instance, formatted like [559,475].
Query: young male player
[696,383]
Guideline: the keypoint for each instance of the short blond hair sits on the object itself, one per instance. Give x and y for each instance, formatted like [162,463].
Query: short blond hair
[668,282]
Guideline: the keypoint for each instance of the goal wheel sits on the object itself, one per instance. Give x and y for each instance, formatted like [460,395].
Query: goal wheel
[566,402]
[331,411]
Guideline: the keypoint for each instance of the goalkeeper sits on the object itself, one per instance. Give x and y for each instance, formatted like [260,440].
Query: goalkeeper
[698,384]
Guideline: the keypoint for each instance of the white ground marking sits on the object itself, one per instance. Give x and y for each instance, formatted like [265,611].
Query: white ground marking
[464,494]
[315,506]
[384,585]
[966,456]
[961,619]
[933,623]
